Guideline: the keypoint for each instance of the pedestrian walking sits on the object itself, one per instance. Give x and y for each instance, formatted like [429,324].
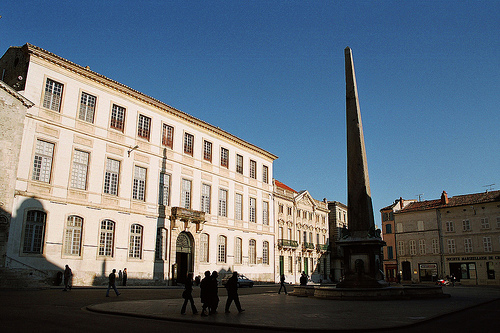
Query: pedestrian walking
[124,280]
[232,293]
[67,278]
[282,284]
[187,294]
[214,293]
[112,283]
[205,294]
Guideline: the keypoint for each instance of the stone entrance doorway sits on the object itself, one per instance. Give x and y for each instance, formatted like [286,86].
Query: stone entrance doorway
[184,255]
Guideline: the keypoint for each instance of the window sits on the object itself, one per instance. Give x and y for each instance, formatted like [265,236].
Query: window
[135,245]
[420,225]
[221,245]
[401,248]
[468,245]
[53,95]
[265,253]
[167,136]
[253,169]
[239,164]
[106,238]
[186,194]
[451,246]
[289,211]
[224,157]
[117,117]
[204,247]
[487,244]
[466,225]
[87,108]
[222,202]
[205,198]
[160,239]
[139,188]
[73,236]
[435,246]
[485,224]
[265,174]
[305,237]
[238,206]
[399,227]
[207,151]
[34,232]
[164,197]
[290,264]
[252,210]
[449,226]
[421,246]
[265,213]
[388,228]
[144,127]
[252,254]
[80,169]
[498,222]
[111,177]
[237,250]
[42,164]
[413,247]
[188,144]
[390,254]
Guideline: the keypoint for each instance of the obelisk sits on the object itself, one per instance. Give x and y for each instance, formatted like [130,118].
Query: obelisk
[361,244]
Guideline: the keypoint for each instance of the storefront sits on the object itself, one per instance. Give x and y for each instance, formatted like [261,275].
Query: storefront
[428,272]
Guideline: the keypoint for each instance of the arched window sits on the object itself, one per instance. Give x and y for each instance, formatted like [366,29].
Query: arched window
[204,243]
[34,231]
[73,236]
[237,250]
[221,244]
[265,253]
[252,254]
[106,238]
[135,246]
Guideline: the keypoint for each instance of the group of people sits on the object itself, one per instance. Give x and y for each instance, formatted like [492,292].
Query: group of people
[209,294]
[68,275]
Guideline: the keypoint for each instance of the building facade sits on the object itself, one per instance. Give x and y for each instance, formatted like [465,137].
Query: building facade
[457,236]
[108,177]
[301,235]
[388,232]
[337,221]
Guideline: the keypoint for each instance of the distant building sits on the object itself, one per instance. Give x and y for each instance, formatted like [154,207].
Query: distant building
[457,236]
[108,177]
[301,235]
[389,232]
[337,220]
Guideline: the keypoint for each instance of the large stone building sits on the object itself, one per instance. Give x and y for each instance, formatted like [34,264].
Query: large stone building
[109,177]
[388,231]
[457,236]
[337,221]
[301,235]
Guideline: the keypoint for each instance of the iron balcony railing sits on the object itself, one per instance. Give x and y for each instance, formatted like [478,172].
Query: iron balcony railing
[287,243]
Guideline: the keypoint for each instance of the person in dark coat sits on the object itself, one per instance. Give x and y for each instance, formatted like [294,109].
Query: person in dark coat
[205,293]
[188,295]
[214,293]
[67,278]
[282,284]
[303,279]
[112,283]
[124,278]
[232,293]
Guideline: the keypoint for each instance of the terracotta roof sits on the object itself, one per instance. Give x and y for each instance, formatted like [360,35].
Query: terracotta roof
[459,200]
[283,186]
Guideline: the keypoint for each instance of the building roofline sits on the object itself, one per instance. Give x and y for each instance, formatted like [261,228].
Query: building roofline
[94,76]
[26,102]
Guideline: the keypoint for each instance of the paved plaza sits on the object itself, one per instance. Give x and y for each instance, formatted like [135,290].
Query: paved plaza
[285,312]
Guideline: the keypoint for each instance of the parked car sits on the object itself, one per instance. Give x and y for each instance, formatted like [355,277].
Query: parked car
[243,281]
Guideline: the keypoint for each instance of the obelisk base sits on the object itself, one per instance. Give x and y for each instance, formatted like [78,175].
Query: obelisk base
[362,263]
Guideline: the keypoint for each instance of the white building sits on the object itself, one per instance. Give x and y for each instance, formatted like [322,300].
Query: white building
[111,178]
[302,235]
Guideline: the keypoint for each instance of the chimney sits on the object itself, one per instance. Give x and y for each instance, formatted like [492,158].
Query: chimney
[444,198]
[401,203]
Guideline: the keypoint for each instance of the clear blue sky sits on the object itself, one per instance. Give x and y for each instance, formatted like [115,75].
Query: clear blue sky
[272,73]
